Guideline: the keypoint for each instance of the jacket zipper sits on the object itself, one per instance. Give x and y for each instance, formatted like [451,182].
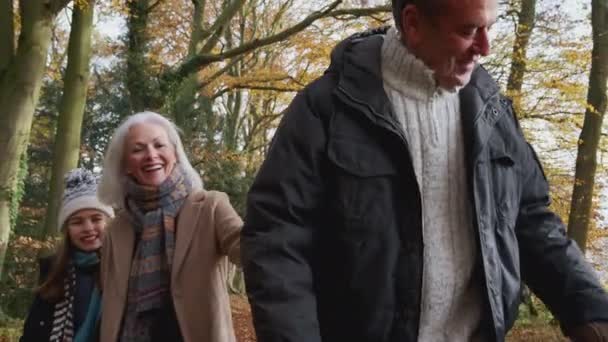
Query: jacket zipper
[391,127]
[484,257]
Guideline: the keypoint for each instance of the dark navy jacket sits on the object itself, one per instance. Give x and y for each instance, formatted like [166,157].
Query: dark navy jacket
[332,243]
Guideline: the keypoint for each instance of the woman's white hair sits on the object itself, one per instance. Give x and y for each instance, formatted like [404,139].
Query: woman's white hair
[112,186]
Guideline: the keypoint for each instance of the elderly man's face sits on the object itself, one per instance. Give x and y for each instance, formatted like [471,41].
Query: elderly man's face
[149,155]
[451,41]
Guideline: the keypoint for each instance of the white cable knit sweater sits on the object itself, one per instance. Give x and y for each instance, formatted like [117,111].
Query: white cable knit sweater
[430,116]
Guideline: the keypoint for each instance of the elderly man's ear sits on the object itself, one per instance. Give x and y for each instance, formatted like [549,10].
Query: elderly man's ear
[589,332]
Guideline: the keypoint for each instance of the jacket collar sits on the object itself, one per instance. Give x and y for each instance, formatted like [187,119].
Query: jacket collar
[478,111]
[357,61]
[123,239]
[186,228]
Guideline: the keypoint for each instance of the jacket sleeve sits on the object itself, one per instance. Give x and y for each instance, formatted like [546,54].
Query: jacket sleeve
[228,226]
[40,311]
[552,264]
[280,229]
[38,314]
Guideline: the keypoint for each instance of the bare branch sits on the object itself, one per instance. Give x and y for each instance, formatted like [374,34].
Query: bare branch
[100,83]
[153,6]
[547,115]
[257,125]
[255,85]
[220,24]
[58,5]
[197,62]
[220,72]
[265,88]
[359,12]
[279,15]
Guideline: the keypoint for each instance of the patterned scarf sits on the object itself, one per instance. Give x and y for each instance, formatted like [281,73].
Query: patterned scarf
[153,210]
[63,316]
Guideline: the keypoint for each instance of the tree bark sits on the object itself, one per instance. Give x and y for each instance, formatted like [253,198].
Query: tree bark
[185,95]
[66,151]
[138,78]
[19,91]
[220,24]
[234,101]
[7,34]
[525,25]
[202,41]
[586,159]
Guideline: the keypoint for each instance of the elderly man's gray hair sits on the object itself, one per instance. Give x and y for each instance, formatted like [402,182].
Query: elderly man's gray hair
[429,7]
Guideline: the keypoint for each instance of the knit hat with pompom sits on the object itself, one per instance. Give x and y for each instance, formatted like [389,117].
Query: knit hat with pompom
[80,193]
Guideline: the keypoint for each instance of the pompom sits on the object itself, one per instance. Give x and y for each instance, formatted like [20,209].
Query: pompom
[79,177]
[80,192]
[79,182]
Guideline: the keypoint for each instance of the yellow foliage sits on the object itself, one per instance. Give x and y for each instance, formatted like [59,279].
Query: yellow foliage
[82,3]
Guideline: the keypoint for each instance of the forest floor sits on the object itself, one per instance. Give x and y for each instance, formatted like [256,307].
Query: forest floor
[528,330]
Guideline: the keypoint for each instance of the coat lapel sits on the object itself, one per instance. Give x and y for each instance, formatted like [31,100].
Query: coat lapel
[123,241]
[186,225]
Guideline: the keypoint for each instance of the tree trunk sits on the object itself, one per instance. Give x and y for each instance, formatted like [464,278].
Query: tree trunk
[230,134]
[182,108]
[235,280]
[525,24]
[202,41]
[185,96]
[7,35]
[586,159]
[66,151]
[19,91]
[138,78]
[233,113]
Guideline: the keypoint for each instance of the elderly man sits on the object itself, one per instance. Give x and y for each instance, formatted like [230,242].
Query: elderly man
[400,202]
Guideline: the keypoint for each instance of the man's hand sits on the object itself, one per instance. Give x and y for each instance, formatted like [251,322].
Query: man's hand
[590,332]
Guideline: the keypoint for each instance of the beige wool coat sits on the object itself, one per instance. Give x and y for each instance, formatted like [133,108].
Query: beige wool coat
[208,230]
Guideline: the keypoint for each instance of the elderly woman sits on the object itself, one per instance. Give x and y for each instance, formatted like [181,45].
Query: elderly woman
[67,304]
[164,258]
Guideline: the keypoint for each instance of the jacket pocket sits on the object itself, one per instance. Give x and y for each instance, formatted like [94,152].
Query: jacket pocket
[359,158]
[505,180]
[362,185]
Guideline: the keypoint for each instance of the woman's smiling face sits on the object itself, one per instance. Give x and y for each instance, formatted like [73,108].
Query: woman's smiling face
[149,155]
[86,228]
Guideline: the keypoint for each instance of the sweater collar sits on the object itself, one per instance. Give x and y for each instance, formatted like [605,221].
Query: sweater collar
[407,74]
